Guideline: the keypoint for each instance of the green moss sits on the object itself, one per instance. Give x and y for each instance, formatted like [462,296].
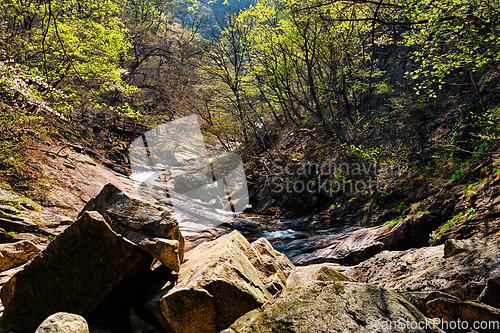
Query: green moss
[441,230]
[392,223]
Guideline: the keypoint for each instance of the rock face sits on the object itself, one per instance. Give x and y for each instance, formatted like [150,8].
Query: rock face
[452,310]
[422,302]
[16,254]
[390,265]
[491,294]
[484,222]
[153,228]
[63,322]
[216,285]
[331,307]
[273,267]
[319,272]
[463,275]
[352,246]
[74,273]
[456,246]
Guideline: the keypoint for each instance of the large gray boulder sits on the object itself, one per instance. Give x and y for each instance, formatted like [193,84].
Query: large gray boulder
[332,307]
[153,228]
[63,322]
[216,285]
[76,271]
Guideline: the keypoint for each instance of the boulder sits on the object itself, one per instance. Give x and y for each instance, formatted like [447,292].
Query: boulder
[5,276]
[415,297]
[16,254]
[463,275]
[63,322]
[422,303]
[491,294]
[390,265]
[332,306]
[76,271]
[140,326]
[456,246]
[318,272]
[450,310]
[189,182]
[273,267]
[153,228]
[216,286]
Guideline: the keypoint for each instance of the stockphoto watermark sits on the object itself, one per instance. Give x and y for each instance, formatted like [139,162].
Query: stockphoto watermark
[331,178]
[431,323]
[174,161]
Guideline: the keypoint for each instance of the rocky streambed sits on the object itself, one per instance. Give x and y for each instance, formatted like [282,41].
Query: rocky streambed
[131,262]
[120,270]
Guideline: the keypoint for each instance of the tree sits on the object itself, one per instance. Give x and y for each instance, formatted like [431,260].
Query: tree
[452,35]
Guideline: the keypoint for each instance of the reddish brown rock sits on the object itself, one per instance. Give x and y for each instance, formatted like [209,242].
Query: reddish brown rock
[451,310]
[16,254]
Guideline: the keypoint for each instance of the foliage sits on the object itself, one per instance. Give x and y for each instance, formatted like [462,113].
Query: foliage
[400,205]
[392,223]
[458,34]
[469,212]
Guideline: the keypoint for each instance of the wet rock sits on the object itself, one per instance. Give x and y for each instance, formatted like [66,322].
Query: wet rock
[347,246]
[456,246]
[216,285]
[330,307]
[16,254]
[63,322]
[273,267]
[74,273]
[153,228]
[318,272]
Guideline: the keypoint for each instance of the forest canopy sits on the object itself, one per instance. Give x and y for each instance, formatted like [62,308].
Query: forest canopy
[349,69]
